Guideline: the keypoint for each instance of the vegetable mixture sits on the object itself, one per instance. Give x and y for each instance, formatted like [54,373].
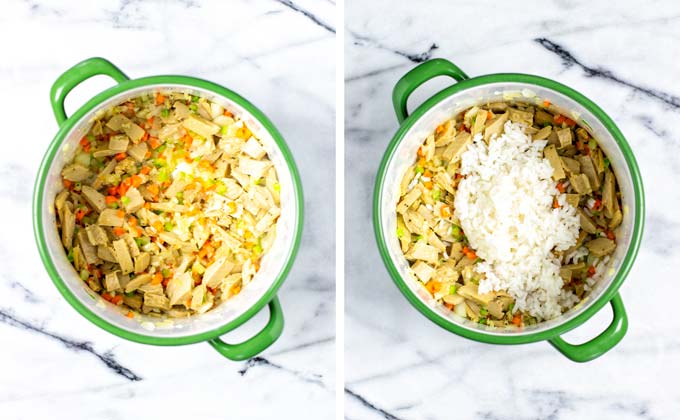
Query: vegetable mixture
[168,205]
[438,250]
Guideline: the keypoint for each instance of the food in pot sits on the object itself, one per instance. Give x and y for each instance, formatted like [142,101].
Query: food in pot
[508,215]
[168,205]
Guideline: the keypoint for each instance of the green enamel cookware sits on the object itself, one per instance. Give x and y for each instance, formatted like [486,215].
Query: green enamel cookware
[462,94]
[208,327]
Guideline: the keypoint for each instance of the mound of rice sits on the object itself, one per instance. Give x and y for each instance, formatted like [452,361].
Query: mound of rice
[505,207]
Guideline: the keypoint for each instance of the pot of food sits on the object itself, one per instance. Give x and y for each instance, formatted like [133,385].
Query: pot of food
[167,210]
[508,209]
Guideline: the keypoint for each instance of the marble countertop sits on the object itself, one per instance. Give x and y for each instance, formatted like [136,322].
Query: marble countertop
[398,364]
[54,363]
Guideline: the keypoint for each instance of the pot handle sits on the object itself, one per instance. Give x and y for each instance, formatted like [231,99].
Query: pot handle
[258,343]
[75,76]
[419,75]
[602,343]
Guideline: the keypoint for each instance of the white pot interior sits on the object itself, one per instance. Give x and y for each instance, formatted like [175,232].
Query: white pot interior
[271,265]
[404,156]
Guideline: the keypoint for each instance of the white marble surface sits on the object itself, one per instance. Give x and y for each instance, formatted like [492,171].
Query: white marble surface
[53,362]
[624,55]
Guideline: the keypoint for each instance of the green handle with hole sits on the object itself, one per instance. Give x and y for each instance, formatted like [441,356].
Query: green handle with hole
[258,343]
[420,74]
[602,343]
[75,76]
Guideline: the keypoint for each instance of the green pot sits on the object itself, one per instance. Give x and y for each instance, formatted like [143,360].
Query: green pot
[467,92]
[143,329]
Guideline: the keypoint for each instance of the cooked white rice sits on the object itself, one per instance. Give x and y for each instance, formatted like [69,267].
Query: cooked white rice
[505,207]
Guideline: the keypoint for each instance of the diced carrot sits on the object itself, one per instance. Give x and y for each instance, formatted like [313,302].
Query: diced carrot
[226,113]
[82,213]
[559,119]
[591,271]
[122,189]
[449,306]
[160,98]
[489,115]
[110,199]
[154,143]
[118,231]
[112,191]
[446,211]
[84,141]
[569,122]
[107,297]
[429,185]
[157,278]
[145,136]
[205,164]
[147,154]
[130,314]
[469,253]
[556,205]
[439,129]
[420,151]
[598,204]
[427,174]
[433,286]
[120,213]
[138,232]
[68,184]
[610,235]
[150,120]
[546,103]
[116,300]
[422,162]
[188,140]
[153,189]
[560,187]
[135,180]
[120,156]
[132,221]
[517,319]
[147,205]
[145,170]
[158,225]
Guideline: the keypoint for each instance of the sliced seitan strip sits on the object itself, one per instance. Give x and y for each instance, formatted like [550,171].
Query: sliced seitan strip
[580,183]
[110,217]
[601,246]
[588,169]
[565,137]
[89,251]
[76,173]
[496,127]
[96,235]
[543,133]
[137,282]
[201,126]
[551,154]
[94,198]
[112,281]
[122,253]
[156,301]
[134,200]
[587,223]
[68,226]
[571,165]
[457,147]
[142,262]
[216,272]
